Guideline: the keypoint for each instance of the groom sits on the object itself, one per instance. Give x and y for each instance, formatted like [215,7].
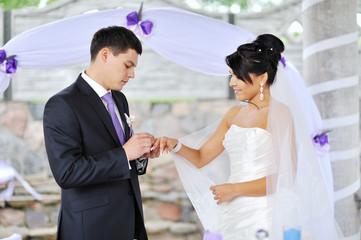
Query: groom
[91,152]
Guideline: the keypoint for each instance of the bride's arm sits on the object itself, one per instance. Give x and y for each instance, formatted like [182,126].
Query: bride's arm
[209,150]
[227,192]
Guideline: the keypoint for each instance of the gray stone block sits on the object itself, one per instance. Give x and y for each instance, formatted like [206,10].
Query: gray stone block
[37,219]
[33,164]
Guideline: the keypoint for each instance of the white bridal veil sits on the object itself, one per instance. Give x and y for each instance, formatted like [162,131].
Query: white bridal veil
[299,191]
[201,43]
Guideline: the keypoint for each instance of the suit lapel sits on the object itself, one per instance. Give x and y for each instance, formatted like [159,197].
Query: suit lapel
[97,105]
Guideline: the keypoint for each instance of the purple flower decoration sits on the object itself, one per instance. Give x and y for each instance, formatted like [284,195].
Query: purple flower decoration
[261,234]
[134,18]
[2,56]
[11,64]
[212,236]
[320,143]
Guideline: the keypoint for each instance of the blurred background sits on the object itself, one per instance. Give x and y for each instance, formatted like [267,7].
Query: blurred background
[168,99]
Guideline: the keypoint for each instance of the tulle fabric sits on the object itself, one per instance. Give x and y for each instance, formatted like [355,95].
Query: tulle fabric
[297,192]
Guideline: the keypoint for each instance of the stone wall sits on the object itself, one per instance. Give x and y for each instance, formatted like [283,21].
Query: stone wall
[168,212]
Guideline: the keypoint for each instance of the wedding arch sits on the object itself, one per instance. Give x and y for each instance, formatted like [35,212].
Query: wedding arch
[191,40]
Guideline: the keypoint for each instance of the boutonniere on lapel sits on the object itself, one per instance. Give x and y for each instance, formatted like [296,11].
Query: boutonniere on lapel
[130,120]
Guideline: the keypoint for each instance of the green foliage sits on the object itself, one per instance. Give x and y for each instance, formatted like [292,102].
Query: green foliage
[242,3]
[16,4]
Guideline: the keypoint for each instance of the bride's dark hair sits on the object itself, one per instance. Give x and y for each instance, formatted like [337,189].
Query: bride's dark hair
[260,56]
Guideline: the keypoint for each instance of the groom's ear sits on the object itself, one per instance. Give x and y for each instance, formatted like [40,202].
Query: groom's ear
[104,54]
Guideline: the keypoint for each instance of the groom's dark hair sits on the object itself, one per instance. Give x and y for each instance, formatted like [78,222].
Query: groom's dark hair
[117,39]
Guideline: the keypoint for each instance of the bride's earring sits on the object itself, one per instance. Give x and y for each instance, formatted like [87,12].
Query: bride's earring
[261,96]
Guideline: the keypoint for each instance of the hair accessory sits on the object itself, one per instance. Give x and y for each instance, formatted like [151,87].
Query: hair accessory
[134,18]
[283,61]
[261,96]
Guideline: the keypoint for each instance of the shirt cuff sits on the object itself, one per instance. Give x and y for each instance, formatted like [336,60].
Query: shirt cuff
[128,160]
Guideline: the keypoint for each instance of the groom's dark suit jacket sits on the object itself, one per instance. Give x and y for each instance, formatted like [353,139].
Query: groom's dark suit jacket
[100,196]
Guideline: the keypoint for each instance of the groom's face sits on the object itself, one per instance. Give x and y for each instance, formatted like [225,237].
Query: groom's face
[119,69]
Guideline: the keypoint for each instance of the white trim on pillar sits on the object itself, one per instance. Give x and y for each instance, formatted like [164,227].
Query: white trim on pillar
[333,85]
[348,154]
[329,43]
[308,3]
[347,191]
[341,121]
[353,237]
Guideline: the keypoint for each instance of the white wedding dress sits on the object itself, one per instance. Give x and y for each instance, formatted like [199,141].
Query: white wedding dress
[250,153]
[297,193]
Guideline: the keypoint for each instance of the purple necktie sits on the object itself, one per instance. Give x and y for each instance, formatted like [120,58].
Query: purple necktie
[109,100]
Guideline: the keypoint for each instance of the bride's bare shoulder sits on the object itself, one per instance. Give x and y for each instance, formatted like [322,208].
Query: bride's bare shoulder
[281,109]
[234,110]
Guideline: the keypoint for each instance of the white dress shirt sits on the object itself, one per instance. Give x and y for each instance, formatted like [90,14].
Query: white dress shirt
[101,91]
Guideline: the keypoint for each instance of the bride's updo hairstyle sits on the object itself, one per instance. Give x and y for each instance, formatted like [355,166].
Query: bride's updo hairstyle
[260,56]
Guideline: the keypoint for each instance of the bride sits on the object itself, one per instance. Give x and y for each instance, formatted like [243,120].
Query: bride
[257,169]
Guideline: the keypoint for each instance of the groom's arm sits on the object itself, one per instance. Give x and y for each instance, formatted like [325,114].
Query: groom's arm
[63,142]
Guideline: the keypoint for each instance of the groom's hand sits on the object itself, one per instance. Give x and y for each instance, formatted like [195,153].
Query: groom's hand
[138,145]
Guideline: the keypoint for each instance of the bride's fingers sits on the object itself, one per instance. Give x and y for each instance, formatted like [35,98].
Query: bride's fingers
[155,144]
[169,148]
[162,144]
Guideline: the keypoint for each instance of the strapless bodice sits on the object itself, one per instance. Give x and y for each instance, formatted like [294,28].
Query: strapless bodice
[250,152]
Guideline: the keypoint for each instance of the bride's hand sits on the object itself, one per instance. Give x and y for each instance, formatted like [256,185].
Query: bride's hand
[224,192]
[165,143]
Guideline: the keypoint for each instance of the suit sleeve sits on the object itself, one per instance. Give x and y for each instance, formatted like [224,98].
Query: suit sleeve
[69,165]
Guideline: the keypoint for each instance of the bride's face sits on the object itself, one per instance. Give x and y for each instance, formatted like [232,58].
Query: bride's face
[245,91]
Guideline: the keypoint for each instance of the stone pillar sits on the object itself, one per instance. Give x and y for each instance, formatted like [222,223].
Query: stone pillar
[7,26]
[331,71]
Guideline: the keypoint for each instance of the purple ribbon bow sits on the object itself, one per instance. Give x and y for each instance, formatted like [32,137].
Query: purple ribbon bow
[320,143]
[11,63]
[11,66]
[146,26]
[321,139]
[2,56]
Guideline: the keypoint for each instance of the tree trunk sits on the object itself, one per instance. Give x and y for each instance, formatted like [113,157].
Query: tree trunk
[331,71]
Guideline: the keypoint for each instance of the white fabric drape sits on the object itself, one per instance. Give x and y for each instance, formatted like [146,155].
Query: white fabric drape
[8,175]
[194,41]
